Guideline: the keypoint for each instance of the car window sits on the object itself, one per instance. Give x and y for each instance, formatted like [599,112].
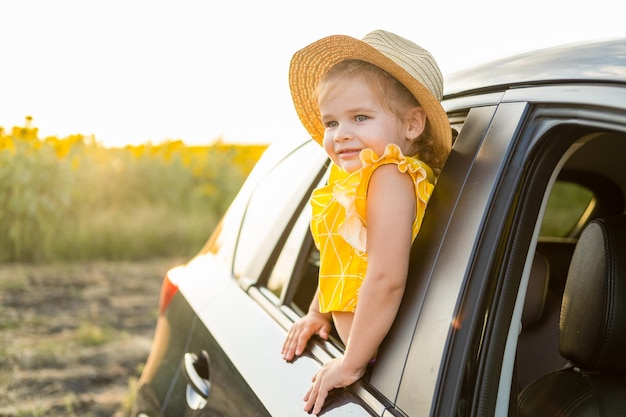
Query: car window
[591,184]
[293,277]
[286,264]
[272,208]
[568,206]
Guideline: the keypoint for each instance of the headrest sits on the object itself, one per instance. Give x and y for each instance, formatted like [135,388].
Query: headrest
[536,292]
[593,312]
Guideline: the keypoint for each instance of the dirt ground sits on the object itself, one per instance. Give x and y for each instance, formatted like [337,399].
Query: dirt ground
[73,338]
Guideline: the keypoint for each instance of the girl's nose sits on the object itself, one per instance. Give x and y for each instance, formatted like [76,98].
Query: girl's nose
[343,133]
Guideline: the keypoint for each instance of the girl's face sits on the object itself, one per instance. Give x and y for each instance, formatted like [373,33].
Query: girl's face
[354,119]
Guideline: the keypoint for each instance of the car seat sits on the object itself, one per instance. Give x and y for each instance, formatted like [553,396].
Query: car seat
[538,343]
[592,331]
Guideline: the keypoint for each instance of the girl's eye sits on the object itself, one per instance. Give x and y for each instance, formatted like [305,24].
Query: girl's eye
[361,118]
[330,124]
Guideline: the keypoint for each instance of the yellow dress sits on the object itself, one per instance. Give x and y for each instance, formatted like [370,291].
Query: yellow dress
[339,226]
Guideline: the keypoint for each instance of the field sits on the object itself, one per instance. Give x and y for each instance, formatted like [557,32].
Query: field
[71,199]
[74,337]
[86,236]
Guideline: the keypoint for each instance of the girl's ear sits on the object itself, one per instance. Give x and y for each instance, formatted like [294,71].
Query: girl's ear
[416,122]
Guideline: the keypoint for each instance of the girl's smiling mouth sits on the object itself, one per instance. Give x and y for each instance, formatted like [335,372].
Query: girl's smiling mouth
[348,153]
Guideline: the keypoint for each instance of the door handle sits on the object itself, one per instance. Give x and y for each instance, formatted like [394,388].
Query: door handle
[197,370]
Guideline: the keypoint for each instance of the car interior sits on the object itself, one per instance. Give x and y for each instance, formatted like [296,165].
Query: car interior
[591,331]
[573,338]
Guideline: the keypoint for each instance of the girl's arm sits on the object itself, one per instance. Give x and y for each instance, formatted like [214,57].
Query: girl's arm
[391,207]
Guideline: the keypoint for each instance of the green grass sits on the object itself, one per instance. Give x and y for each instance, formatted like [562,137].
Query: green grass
[140,232]
[71,199]
[92,334]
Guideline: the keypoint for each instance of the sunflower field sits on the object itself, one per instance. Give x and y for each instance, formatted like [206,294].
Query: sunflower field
[72,199]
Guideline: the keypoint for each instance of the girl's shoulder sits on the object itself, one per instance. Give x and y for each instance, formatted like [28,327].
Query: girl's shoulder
[355,184]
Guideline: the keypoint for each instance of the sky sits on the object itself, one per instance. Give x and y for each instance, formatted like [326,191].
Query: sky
[138,71]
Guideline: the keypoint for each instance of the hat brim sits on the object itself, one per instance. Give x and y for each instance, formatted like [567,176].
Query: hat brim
[310,63]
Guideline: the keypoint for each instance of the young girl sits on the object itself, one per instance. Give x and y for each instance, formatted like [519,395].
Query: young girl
[374,105]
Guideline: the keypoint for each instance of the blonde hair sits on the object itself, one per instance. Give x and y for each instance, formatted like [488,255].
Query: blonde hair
[392,95]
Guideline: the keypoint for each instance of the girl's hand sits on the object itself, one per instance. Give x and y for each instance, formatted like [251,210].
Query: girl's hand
[332,375]
[313,323]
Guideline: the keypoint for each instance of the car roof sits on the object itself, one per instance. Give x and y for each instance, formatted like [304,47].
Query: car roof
[601,61]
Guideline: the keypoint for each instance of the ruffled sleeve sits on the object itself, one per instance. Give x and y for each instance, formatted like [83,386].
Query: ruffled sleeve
[351,192]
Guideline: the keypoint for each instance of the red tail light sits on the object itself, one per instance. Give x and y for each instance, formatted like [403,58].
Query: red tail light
[168,290]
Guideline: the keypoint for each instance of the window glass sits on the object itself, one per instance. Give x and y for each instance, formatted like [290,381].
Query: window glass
[567,206]
[272,205]
[286,262]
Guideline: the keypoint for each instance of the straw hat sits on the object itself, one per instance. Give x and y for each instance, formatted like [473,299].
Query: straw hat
[409,63]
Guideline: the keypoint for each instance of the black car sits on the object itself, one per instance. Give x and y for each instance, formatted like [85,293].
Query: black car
[499,317]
